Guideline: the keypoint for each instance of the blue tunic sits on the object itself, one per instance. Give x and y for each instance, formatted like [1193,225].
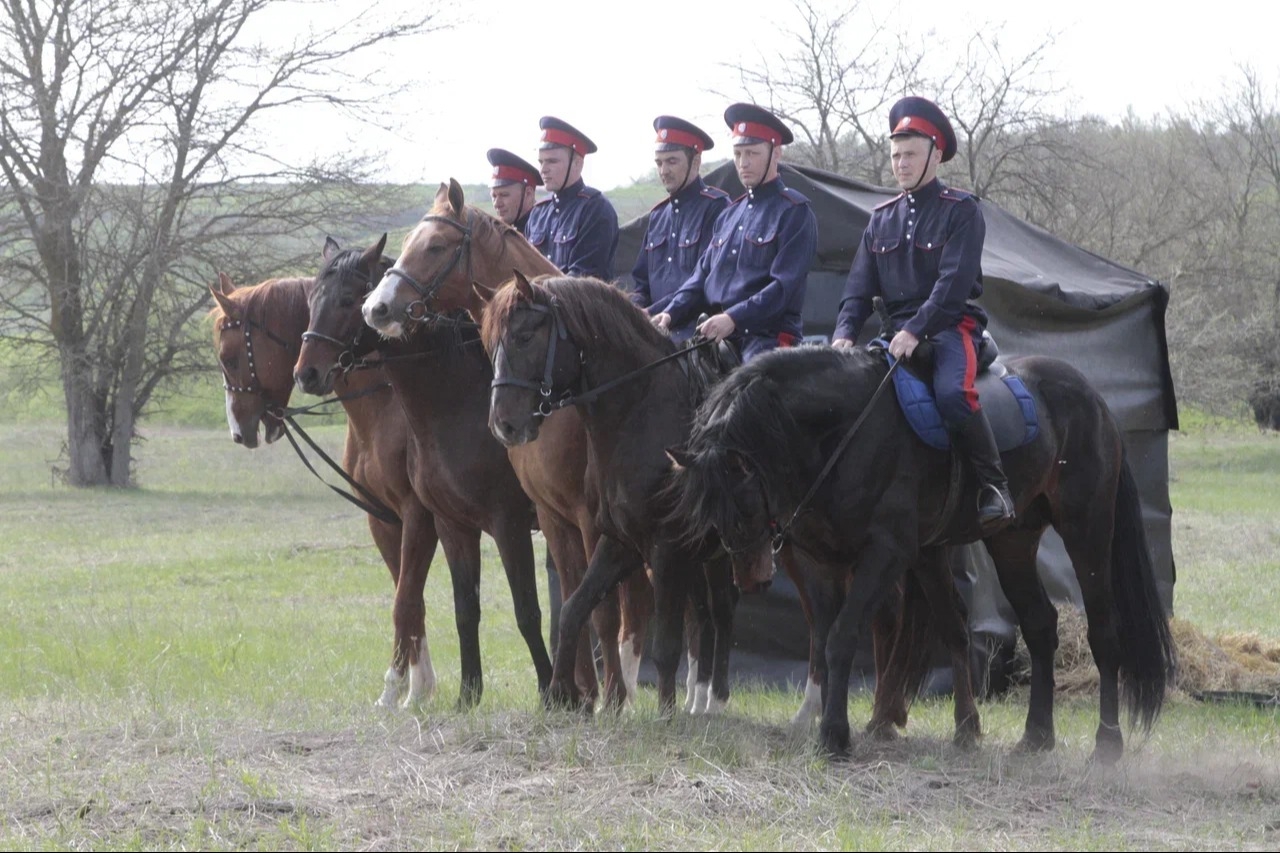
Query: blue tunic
[679,231]
[922,251]
[755,269]
[577,230]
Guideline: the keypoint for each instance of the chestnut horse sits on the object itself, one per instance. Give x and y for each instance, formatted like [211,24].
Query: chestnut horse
[256,355]
[452,248]
[457,471]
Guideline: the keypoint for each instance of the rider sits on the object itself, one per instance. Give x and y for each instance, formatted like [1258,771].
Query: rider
[922,252]
[680,225]
[576,228]
[513,188]
[752,277]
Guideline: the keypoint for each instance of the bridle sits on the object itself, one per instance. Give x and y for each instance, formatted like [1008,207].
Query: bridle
[420,309]
[546,386]
[347,359]
[255,385]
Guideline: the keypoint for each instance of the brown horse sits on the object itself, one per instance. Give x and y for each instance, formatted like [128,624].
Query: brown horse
[452,248]
[457,472]
[579,341]
[257,356]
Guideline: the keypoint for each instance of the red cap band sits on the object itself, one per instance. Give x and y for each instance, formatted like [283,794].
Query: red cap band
[679,137]
[758,131]
[559,137]
[915,124]
[512,173]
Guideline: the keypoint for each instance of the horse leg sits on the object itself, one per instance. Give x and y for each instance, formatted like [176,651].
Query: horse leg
[1014,553]
[672,569]
[417,549]
[717,574]
[811,706]
[387,539]
[700,634]
[462,550]
[515,546]
[611,562]
[579,685]
[950,620]
[636,601]
[877,570]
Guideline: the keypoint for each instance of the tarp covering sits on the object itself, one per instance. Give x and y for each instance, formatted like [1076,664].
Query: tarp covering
[1044,296]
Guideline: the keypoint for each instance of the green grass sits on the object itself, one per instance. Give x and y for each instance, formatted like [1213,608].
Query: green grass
[192,663]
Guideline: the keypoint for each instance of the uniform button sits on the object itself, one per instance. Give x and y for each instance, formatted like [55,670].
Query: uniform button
[673,233]
[734,252]
[739,227]
[909,222]
[668,260]
[928,245]
[908,235]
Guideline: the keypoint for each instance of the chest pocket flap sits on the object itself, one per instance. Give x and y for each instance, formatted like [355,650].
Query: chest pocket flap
[567,235]
[690,237]
[761,237]
[882,245]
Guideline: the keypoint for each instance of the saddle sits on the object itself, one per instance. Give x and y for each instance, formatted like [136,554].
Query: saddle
[1008,405]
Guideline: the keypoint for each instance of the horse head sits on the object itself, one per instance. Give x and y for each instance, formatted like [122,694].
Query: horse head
[718,491]
[535,362]
[256,358]
[337,334]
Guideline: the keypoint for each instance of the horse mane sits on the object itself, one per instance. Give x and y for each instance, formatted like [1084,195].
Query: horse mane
[270,298]
[767,418]
[592,311]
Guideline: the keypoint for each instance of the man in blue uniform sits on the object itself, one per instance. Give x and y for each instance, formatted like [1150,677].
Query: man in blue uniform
[576,228]
[513,188]
[680,225]
[922,252]
[752,277]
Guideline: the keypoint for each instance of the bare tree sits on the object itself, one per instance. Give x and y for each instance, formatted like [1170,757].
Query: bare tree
[832,85]
[135,150]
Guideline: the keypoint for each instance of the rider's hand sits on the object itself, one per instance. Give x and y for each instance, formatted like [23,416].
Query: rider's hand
[662,321]
[903,344]
[718,327]
[842,343]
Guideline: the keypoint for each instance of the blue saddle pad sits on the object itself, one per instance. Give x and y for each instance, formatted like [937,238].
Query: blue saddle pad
[1006,401]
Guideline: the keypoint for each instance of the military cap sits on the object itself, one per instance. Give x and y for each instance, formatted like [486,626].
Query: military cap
[750,124]
[676,133]
[557,132]
[921,117]
[510,169]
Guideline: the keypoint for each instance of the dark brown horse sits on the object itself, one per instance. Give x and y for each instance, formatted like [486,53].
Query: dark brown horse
[579,341]
[258,331]
[458,473]
[452,248]
[799,448]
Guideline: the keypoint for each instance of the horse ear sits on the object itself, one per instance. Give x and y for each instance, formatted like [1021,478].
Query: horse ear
[456,200]
[486,294]
[330,249]
[372,256]
[523,287]
[222,293]
[442,194]
[680,459]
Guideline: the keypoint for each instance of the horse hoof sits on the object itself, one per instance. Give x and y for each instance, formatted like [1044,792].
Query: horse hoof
[834,739]
[966,739]
[561,697]
[1108,746]
[1042,742]
[884,732]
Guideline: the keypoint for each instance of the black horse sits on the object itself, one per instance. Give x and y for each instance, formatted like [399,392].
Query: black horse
[759,446]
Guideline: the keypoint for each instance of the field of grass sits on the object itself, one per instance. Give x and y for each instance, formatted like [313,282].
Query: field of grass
[192,664]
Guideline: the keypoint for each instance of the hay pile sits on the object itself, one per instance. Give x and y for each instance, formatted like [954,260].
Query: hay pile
[1229,662]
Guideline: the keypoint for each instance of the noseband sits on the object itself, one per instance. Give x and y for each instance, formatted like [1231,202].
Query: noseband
[420,309]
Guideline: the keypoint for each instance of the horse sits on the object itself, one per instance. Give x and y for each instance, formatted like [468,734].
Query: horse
[451,250]
[772,461]
[565,341]
[259,382]
[457,472]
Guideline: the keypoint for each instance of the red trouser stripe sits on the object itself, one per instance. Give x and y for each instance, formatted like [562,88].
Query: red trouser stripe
[967,328]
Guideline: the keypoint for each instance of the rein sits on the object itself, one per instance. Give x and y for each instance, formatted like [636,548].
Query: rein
[780,535]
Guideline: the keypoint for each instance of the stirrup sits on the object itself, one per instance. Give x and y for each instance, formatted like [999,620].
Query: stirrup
[1007,512]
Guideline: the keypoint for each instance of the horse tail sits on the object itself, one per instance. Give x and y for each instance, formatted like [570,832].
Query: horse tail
[917,631]
[1147,654]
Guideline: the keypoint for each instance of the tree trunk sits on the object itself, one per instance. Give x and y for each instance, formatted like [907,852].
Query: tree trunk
[86,463]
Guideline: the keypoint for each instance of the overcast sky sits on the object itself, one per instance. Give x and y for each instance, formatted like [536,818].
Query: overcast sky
[610,68]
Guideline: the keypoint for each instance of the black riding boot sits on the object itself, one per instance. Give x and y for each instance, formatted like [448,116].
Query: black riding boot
[975,440]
